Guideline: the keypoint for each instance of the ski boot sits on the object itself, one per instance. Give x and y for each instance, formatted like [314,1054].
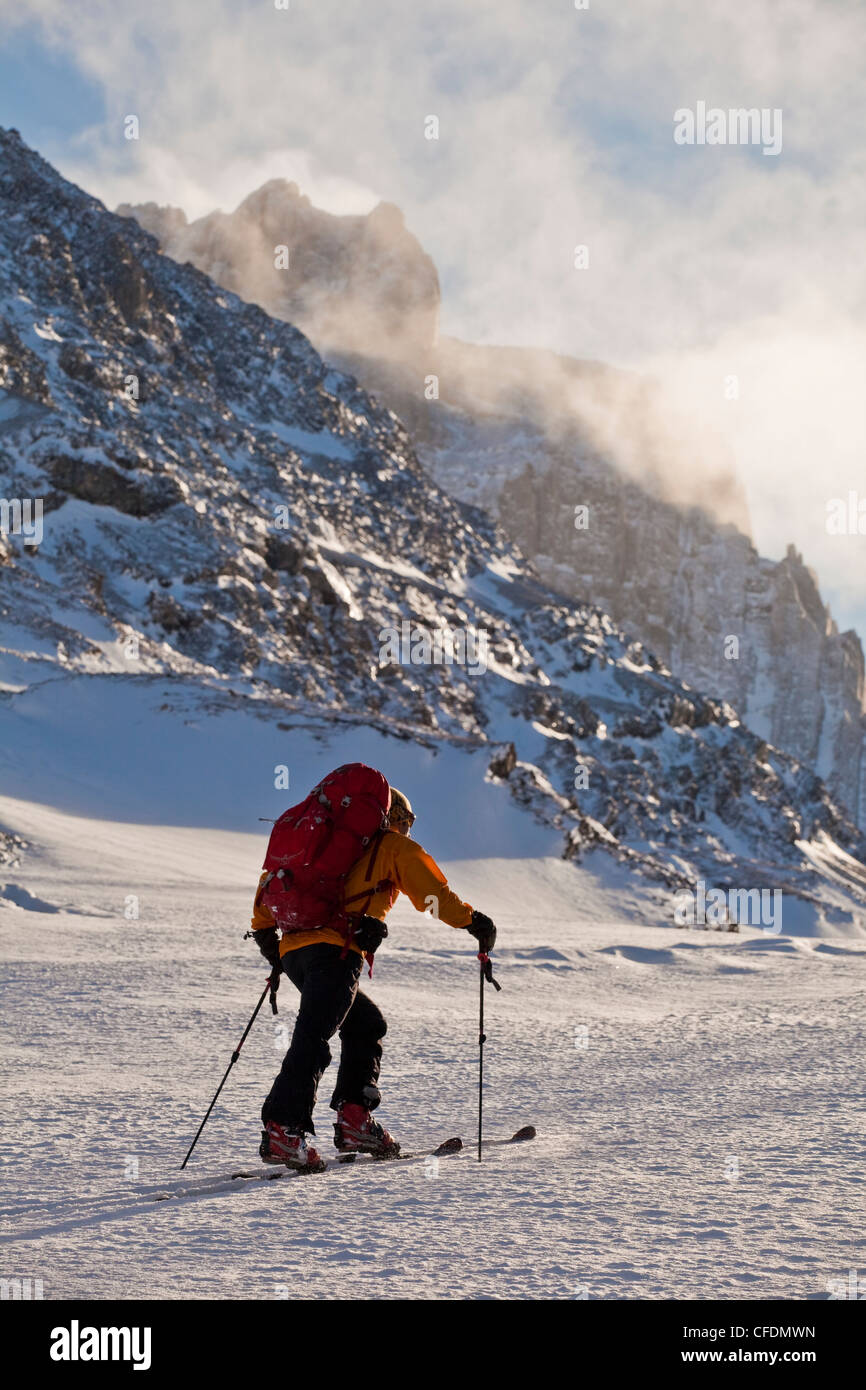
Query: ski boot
[289,1148]
[355,1131]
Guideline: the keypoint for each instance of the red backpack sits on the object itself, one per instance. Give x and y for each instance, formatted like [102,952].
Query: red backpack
[314,845]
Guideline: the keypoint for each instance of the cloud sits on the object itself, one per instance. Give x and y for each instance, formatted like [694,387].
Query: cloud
[555,129]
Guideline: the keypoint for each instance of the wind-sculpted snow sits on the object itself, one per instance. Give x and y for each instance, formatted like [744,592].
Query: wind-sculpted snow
[223,507]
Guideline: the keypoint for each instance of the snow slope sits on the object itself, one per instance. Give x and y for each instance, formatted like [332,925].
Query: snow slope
[734,1174]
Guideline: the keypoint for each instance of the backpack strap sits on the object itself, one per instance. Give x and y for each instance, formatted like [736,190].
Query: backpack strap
[262,886]
[367,894]
[379,886]
[374,853]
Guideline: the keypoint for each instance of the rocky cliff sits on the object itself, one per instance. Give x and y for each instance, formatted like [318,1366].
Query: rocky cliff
[358,282]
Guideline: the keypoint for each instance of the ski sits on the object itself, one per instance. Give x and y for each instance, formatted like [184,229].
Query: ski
[448,1146]
[242,1178]
[519,1137]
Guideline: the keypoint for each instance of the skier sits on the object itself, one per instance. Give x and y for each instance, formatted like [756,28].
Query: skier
[325,964]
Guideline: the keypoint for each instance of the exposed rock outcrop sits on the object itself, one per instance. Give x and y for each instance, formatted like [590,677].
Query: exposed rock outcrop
[356,282]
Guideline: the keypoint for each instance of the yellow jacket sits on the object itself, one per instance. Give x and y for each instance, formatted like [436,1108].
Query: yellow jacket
[408,868]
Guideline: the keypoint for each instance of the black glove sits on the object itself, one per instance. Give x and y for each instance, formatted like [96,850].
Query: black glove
[483,930]
[369,934]
[268,942]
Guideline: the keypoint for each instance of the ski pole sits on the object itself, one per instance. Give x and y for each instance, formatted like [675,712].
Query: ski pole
[485,973]
[235,1055]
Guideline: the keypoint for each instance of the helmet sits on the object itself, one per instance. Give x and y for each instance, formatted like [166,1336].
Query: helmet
[401,809]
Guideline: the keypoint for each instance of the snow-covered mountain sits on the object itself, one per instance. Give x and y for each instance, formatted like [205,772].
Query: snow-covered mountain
[530,436]
[229,518]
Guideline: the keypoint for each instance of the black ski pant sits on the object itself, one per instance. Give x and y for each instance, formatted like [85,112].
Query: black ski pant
[330,1001]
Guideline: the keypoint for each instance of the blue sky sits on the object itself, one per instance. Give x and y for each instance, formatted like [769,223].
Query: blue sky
[44,94]
[555,128]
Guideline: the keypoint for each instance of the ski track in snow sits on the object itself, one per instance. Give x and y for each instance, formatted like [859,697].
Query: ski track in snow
[701,1050]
